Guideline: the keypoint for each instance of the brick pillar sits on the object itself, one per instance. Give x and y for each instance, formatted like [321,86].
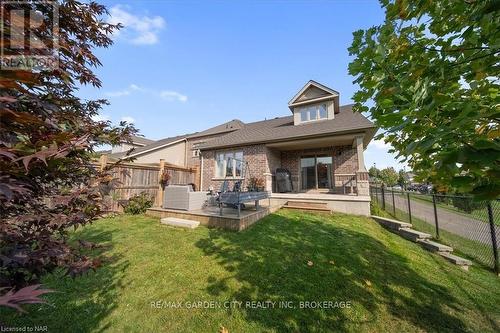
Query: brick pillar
[269,182]
[362,181]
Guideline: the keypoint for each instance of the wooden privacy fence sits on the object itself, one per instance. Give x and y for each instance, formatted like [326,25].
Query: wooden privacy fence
[135,178]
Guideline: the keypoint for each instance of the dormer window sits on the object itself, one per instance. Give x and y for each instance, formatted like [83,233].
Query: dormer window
[313,112]
[314,102]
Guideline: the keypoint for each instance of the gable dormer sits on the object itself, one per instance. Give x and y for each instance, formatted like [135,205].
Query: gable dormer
[314,102]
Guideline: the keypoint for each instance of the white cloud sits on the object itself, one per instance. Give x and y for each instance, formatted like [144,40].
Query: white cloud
[170,95]
[380,144]
[128,119]
[117,93]
[140,30]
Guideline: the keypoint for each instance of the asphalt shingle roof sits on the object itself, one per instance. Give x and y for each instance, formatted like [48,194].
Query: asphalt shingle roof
[151,145]
[155,144]
[283,128]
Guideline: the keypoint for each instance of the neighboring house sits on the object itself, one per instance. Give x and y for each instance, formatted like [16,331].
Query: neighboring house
[137,142]
[321,144]
[182,150]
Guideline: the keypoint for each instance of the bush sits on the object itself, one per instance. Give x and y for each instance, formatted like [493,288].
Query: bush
[138,204]
[466,204]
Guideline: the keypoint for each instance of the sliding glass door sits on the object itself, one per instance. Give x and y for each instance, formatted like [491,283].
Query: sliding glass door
[324,167]
[316,172]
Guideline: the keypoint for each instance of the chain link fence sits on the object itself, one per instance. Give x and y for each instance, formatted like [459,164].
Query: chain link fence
[472,228]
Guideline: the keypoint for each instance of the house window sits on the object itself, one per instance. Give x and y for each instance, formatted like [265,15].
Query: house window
[229,164]
[314,112]
[196,152]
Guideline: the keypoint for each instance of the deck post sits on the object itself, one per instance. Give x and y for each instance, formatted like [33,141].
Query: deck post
[159,196]
[103,161]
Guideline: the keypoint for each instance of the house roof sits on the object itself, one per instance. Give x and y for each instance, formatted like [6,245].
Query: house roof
[314,92]
[152,146]
[229,126]
[141,140]
[311,83]
[283,128]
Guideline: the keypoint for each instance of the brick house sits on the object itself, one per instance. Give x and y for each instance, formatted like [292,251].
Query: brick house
[320,143]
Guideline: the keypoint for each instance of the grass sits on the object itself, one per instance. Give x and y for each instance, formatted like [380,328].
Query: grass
[393,285]
[480,253]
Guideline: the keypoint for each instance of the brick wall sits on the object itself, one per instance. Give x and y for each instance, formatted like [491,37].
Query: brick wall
[257,157]
[345,160]
[263,160]
[191,143]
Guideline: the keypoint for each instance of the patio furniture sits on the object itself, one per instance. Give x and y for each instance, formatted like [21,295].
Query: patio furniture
[183,197]
[237,199]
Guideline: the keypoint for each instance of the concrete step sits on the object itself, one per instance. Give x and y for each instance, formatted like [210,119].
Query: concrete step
[182,223]
[307,208]
[390,223]
[463,263]
[312,204]
[433,246]
[413,235]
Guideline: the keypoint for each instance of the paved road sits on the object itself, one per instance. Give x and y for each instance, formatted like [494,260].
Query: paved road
[458,224]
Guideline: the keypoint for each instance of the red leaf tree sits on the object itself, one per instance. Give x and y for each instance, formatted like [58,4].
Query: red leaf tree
[47,139]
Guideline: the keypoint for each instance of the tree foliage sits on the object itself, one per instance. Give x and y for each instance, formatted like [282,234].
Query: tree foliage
[389,176]
[47,137]
[432,70]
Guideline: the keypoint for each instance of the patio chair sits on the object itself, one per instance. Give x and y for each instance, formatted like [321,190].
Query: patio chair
[182,197]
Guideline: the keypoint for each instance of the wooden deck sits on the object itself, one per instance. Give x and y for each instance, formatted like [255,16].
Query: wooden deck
[211,217]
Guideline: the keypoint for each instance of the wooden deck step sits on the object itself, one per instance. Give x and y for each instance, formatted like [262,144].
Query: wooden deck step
[434,246]
[413,235]
[463,263]
[177,222]
[390,223]
[312,204]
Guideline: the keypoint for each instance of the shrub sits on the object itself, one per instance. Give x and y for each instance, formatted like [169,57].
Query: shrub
[138,204]
[466,204]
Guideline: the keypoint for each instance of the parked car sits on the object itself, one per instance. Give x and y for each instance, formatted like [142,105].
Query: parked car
[425,189]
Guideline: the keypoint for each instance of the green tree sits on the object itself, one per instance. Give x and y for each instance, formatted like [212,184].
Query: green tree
[432,70]
[402,178]
[389,176]
[374,172]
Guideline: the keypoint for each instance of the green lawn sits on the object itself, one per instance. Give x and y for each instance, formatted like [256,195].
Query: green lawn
[393,285]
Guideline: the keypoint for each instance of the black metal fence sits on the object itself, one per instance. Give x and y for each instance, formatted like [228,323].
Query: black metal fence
[472,228]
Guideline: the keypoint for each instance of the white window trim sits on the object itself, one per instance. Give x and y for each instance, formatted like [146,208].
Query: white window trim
[305,109]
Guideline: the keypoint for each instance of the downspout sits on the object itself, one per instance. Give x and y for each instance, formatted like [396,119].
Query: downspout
[201,172]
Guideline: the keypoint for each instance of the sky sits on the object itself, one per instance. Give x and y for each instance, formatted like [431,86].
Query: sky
[184,66]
